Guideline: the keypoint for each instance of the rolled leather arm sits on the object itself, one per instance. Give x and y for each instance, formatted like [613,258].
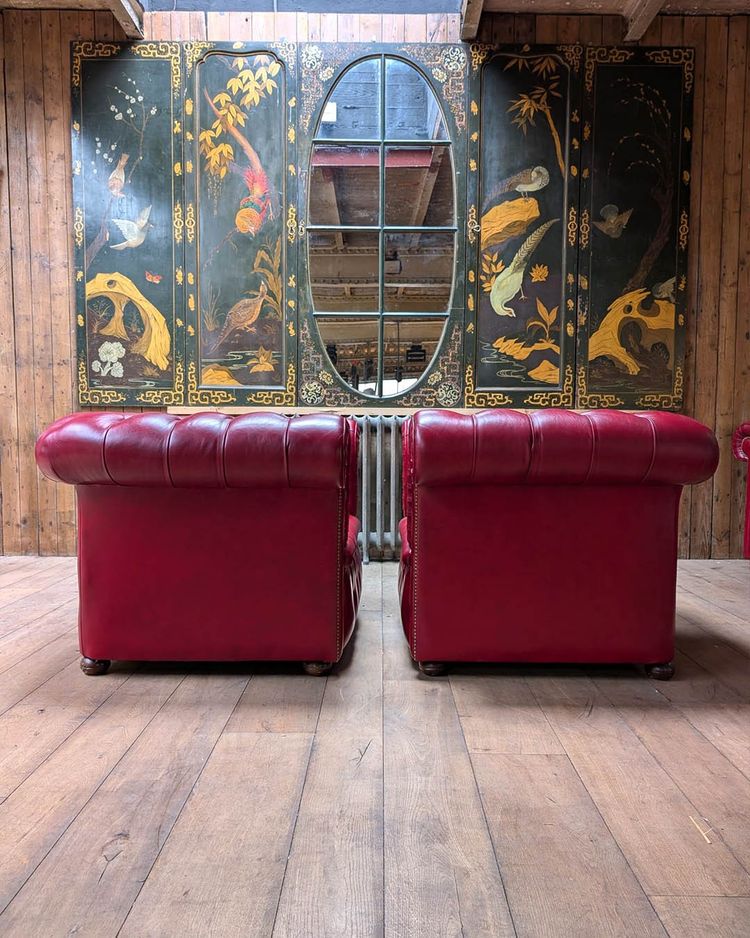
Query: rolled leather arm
[741,442]
[549,447]
[206,450]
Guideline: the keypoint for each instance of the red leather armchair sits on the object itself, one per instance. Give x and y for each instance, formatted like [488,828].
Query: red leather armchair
[741,450]
[211,537]
[548,536]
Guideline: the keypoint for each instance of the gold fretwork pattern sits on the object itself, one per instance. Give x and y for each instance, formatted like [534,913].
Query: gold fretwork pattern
[190,222]
[89,50]
[443,386]
[448,66]
[585,399]
[561,398]
[291,224]
[178,222]
[315,73]
[472,226]
[474,398]
[685,57]
[671,401]
[87,395]
[572,225]
[78,226]
[600,54]
[585,228]
[479,52]
[198,395]
[573,54]
[684,230]
[193,51]
[163,50]
[279,398]
[167,396]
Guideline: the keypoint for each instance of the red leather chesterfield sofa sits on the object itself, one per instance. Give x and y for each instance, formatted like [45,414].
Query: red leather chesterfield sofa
[548,536]
[741,450]
[211,537]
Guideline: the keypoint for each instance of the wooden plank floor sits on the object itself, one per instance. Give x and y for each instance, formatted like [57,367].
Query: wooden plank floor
[230,800]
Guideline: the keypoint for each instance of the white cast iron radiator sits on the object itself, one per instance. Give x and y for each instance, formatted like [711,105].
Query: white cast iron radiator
[379,506]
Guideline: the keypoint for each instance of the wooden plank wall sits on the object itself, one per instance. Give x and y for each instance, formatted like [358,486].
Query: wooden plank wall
[36,298]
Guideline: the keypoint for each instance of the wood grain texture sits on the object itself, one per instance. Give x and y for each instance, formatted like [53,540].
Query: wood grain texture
[571,871]
[696,916]
[240,814]
[347,758]
[184,800]
[95,870]
[647,812]
[37,308]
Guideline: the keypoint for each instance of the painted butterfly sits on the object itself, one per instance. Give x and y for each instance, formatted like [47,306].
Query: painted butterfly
[153,278]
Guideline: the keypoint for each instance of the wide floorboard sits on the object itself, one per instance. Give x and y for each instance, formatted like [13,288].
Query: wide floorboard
[163,800]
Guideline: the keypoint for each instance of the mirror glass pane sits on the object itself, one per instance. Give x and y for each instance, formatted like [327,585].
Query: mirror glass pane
[418,271]
[343,269]
[418,186]
[351,343]
[409,347]
[344,185]
[411,109]
[352,112]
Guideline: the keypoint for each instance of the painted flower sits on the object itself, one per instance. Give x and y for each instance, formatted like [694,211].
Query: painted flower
[539,273]
[111,351]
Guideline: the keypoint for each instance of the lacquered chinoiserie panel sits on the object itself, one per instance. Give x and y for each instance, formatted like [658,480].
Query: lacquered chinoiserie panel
[634,226]
[524,149]
[128,222]
[241,246]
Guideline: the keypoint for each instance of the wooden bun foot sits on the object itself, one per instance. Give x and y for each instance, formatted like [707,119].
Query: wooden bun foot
[661,672]
[433,668]
[317,668]
[93,666]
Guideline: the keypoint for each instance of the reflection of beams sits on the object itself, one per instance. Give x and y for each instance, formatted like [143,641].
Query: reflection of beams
[329,204]
[425,190]
[332,265]
[414,330]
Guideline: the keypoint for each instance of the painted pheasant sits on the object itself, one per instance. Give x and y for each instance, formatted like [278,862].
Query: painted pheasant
[509,281]
[242,315]
[528,180]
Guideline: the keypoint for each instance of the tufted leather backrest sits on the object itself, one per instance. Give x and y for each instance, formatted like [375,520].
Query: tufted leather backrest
[555,447]
[741,442]
[205,450]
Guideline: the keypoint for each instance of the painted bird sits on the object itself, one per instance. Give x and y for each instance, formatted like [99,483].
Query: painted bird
[116,181]
[528,180]
[134,232]
[509,281]
[242,315]
[614,220]
[256,207]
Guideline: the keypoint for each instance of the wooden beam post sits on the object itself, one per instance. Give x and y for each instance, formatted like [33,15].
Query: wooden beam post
[638,15]
[471,11]
[129,15]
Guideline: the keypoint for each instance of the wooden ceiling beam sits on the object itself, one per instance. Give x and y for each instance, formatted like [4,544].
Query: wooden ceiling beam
[471,11]
[129,15]
[638,15]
